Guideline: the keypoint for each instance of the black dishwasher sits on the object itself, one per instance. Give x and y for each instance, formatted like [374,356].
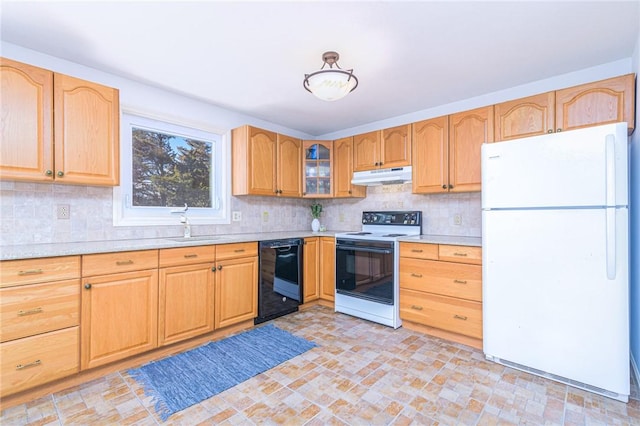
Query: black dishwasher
[280,281]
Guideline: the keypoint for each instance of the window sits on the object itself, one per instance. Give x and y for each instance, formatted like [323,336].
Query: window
[167,166]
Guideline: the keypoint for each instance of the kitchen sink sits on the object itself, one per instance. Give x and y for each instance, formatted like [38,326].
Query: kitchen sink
[200,238]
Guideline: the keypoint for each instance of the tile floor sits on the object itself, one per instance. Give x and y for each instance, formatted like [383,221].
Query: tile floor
[361,374]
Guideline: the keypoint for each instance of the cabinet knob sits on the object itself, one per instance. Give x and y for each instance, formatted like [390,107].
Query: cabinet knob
[213,268]
[219,267]
[87,286]
[558,130]
[60,173]
[450,186]
[550,131]
[350,191]
[48,172]
[444,186]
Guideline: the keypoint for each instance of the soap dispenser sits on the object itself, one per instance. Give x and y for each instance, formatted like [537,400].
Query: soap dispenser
[187,226]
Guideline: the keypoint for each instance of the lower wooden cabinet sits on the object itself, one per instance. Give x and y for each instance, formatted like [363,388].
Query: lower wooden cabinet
[236,290]
[32,361]
[311,270]
[441,288]
[39,318]
[119,311]
[327,268]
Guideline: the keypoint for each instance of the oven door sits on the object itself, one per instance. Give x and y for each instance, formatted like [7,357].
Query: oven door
[364,269]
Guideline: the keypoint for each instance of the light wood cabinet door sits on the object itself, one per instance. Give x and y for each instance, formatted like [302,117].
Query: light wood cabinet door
[522,118]
[236,291]
[86,132]
[254,153]
[327,268]
[468,130]
[185,302]
[311,269]
[26,138]
[288,168]
[366,151]
[430,156]
[601,102]
[343,170]
[119,316]
[396,147]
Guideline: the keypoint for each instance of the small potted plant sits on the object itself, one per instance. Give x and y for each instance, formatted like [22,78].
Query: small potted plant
[316,209]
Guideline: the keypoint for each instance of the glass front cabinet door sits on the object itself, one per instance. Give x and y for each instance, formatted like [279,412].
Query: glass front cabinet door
[317,169]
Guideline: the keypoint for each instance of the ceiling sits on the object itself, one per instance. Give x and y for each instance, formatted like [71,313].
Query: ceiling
[251,57]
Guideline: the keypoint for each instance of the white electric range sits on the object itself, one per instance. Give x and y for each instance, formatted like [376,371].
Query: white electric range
[367,266]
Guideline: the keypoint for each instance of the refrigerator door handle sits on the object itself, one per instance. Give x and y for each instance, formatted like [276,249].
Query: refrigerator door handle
[610,170]
[611,242]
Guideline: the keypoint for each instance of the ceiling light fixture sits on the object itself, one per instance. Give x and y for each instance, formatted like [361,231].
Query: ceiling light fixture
[333,83]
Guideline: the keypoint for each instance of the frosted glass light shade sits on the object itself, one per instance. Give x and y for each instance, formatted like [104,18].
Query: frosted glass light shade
[331,84]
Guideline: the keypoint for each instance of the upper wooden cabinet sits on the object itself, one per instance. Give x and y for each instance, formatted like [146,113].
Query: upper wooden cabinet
[601,102]
[343,170]
[431,156]
[317,169]
[521,118]
[468,130]
[265,163]
[446,151]
[383,148]
[57,127]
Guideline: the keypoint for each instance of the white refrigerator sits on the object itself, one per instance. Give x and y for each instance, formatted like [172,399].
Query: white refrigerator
[555,241]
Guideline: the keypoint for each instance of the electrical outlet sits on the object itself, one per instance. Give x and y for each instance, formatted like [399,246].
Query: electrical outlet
[457,219]
[341,217]
[236,216]
[63,211]
[265,216]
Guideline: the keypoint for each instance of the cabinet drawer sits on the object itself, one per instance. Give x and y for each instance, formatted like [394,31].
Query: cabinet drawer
[111,263]
[462,254]
[419,250]
[444,278]
[187,255]
[29,271]
[32,361]
[228,251]
[447,313]
[37,308]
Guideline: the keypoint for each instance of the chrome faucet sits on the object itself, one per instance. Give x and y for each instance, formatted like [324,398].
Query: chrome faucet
[187,226]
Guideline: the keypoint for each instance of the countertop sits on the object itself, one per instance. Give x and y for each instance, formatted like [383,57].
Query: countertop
[32,251]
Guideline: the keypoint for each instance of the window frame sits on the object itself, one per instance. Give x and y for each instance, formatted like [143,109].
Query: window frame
[124,214]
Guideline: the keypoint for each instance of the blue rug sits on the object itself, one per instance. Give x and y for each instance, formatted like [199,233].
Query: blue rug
[185,379]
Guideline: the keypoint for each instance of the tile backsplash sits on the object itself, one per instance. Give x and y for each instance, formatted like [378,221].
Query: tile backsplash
[28,212]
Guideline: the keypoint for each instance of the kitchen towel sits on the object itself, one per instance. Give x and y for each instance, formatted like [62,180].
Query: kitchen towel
[187,378]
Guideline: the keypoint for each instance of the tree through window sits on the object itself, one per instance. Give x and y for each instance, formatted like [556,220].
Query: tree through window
[170,170]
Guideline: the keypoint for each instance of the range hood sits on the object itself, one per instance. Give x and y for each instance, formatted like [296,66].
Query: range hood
[382,176]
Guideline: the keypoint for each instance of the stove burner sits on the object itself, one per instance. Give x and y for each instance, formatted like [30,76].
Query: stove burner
[358,233]
[394,235]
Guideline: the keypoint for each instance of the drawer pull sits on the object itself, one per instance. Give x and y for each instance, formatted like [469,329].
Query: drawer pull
[417,250]
[239,250]
[29,312]
[31,272]
[31,364]
[417,308]
[124,262]
[413,274]
[190,256]
[460,317]
[460,281]
[460,254]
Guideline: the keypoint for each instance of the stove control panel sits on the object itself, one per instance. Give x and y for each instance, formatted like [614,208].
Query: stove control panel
[392,218]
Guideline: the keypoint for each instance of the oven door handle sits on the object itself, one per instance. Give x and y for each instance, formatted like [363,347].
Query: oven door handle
[364,249]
